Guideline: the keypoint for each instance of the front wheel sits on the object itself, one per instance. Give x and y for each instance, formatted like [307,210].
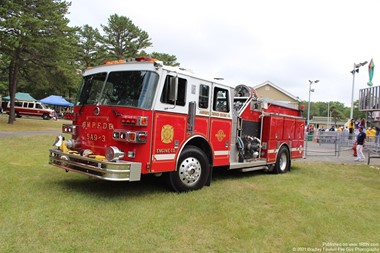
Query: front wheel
[283,161]
[45,116]
[192,171]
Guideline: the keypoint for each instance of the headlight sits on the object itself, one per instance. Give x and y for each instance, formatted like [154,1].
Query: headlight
[69,129]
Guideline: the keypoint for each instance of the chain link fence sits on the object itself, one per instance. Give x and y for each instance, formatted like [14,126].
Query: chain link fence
[331,143]
[327,143]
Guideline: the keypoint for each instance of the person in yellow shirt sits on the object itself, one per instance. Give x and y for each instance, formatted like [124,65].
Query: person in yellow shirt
[351,128]
[371,134]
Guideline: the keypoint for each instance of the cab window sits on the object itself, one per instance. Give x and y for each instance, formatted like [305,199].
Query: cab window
[204,91]
[181,92]
[221,100]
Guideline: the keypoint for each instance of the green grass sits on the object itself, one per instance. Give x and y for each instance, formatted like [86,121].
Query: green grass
[44,209]
[29,124]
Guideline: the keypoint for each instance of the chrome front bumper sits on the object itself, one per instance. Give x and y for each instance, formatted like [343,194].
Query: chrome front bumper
[111,171]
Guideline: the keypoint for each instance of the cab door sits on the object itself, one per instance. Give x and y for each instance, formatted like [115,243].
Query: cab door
[169,122]
[221,124]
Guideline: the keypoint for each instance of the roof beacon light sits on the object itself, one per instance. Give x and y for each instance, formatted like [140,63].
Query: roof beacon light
[115,62]
[148,59]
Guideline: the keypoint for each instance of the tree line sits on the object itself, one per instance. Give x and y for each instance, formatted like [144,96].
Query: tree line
[336,110]
[42,55]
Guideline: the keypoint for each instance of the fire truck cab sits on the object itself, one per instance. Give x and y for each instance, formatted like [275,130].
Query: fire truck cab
[139,116]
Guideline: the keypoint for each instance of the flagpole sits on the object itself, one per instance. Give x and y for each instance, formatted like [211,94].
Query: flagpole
[352,93]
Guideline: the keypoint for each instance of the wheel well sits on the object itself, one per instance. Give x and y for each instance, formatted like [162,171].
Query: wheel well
[203,145]
[283,145]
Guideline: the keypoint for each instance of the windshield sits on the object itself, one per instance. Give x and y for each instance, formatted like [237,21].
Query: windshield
[39,106]
[91,89]
[123,88]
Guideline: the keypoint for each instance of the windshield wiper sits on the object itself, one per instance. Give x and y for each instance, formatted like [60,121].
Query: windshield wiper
[117,114]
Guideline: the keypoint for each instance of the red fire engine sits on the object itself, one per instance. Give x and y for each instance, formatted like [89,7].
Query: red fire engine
[139,117]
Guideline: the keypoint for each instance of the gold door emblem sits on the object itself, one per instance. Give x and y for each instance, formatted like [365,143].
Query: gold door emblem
[167,134]
[220,135]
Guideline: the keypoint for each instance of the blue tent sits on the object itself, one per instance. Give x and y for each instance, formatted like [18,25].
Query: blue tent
[56,100]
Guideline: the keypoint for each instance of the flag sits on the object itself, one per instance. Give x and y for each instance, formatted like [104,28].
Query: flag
[371,67]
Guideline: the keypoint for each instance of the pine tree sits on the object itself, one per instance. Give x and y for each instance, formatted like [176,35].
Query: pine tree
[35,41]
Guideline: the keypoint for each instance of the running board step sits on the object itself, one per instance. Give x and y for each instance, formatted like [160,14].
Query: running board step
[255,168]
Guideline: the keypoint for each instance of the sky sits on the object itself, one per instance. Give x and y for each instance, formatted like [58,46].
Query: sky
[286,42]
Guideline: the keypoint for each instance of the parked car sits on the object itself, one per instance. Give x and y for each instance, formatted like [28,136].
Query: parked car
[29,108]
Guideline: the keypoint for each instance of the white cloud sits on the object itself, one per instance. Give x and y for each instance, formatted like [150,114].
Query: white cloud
[285,42]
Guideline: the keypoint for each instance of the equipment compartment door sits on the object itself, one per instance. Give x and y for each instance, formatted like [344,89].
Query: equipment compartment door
[298,143]
[289,126]
[273,130]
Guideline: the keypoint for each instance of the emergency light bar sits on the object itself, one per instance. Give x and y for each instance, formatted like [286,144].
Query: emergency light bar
[115,62]
[148,59]
[139,59]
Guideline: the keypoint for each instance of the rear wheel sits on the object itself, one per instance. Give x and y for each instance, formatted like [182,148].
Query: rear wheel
[282,161]
[192,171]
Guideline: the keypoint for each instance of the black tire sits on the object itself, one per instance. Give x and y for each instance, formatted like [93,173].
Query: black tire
[46,116]
[192,171]
[283,161]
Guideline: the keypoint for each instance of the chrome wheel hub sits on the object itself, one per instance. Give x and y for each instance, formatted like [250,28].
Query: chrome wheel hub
[190,171]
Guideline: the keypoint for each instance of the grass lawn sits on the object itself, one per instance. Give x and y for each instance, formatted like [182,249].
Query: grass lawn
[30,124]
[44,209]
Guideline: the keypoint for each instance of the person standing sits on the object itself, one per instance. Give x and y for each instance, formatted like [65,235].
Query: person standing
[351,128]
[360,143]
[362,124]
